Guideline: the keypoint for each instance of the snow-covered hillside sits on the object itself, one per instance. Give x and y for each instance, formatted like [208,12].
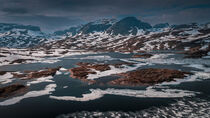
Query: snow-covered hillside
[20,36]
[126,35]
[160,37]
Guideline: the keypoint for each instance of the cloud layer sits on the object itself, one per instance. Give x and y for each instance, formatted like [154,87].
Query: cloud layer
[58,14]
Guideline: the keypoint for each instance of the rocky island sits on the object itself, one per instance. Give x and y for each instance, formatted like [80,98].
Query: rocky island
[148,76]
[12,90]
[140,77]
[36,74]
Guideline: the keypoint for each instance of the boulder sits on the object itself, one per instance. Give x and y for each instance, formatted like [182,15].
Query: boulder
[142,56]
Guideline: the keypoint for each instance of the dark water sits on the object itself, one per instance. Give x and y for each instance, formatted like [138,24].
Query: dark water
[45,107]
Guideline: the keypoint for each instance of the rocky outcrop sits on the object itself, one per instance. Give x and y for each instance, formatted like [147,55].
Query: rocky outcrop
[20,61]
[128,25]
[2,56]
[149,76]
[36,74]
[3,72]
[84,69]
[99,67]
[197,52]
[12,90]
[81,73]
[142,56]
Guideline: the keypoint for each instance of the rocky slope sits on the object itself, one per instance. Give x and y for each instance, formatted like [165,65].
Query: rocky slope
[126,35]
[20,36]
[128,25]
[176,37]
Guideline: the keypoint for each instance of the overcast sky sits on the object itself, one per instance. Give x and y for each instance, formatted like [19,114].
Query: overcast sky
[52,15]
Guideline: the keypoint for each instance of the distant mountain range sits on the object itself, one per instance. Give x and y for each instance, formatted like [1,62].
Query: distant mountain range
[23,36]
[126,26]
[20,36]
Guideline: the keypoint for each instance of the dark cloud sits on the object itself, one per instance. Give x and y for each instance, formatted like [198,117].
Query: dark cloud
[15,10]
[54,14]
[47,23]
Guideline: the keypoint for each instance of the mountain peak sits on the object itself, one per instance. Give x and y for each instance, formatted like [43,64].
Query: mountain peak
[161,25]
[97,26]
[128,25]
[130,18]
[104,21]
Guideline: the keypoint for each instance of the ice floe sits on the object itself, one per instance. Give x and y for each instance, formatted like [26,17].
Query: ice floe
[163,59]
[58,72]
[40,80]
[63,69]
[199,66]
[203,75]
[150,92]
[99,58]
[6,78]
[160,56]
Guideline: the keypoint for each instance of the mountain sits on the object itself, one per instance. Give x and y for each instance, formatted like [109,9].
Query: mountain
[128,25]
[128,34]
[185,26]
[161,25]
[68,32]
[20,36]
[179,37]
[97,26]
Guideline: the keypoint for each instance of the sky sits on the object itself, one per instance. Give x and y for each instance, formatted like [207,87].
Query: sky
[53,15]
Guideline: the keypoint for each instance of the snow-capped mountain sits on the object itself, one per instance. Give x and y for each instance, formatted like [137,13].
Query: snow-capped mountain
[126,35]
[128,25]
[162,37]
[20,36]
[185,26]
[68,32]
[161,25]
[97,26]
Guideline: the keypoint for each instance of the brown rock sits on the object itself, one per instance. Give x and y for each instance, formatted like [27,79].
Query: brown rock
[142,56]
[36,74]
[80,72]
[84,69]
[148,77]
[44,73]
[64,52]
[99,67]
[20,60]
[2,56]
[196,52]
[11,90]
[3,72]
[16,75]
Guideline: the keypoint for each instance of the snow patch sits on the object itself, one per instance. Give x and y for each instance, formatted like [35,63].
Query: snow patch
[48,89]
[6,78]
[114,70]
[150,92]
[40,80]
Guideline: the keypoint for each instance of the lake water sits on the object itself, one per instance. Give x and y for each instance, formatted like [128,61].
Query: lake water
[71,97]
